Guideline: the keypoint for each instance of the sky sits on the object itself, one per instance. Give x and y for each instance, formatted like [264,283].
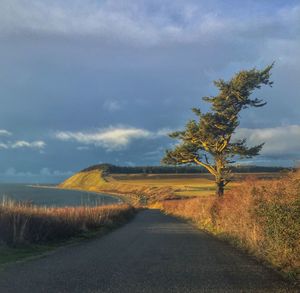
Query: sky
[84,82]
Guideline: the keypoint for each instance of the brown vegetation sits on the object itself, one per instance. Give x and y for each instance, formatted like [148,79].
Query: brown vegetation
[260,215]
[21,223]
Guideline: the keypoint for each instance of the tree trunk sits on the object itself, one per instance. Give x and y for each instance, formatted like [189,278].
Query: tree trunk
[220,187]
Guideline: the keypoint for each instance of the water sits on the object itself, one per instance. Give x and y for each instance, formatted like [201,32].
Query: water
[54,197]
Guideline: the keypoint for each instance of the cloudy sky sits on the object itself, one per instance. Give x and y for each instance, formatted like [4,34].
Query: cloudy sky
[89,81]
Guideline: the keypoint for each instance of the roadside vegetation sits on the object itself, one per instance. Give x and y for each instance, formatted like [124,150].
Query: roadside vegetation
[262,216]
[22,224]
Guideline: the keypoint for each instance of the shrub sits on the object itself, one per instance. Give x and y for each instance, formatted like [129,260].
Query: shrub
[260,215]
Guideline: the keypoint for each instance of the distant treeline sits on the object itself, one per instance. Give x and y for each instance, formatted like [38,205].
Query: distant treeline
[112,169]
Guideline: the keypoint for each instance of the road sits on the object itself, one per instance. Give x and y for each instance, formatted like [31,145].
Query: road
[152,253]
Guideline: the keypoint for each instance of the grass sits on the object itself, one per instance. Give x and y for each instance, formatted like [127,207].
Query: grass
[13,254]
[22,224]
[142,189]
[183,185]
[28,231]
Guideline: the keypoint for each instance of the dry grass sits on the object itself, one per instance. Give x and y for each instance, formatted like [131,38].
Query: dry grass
[21,223]
[260,215]
[183,185]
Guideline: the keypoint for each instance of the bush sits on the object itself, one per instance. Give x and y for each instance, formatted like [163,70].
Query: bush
[260,215]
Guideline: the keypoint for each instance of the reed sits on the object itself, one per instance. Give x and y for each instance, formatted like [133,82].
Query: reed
[23,223]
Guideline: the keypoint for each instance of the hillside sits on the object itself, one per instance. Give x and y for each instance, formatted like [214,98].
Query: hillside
[89,180]
[99,179]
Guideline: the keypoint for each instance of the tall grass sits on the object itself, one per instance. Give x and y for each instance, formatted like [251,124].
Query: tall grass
[260,215]
[22,223]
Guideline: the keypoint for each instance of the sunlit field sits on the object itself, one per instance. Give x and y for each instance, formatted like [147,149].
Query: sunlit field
[188,185]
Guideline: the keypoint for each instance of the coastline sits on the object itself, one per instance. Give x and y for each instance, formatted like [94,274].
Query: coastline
[119,196]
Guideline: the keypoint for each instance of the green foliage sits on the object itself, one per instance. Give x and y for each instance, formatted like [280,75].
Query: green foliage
[281,222]
[210,136]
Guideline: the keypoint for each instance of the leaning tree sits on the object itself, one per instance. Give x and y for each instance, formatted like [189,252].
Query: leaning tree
[209,142]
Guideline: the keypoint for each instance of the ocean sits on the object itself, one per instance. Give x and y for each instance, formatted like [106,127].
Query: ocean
[54,197]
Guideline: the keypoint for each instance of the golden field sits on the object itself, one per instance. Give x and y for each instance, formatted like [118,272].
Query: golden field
[152,187]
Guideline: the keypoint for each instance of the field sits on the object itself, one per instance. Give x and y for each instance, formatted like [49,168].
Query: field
[149,188]
[185,185]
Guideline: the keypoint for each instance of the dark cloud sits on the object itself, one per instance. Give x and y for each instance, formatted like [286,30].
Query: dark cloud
[76,67]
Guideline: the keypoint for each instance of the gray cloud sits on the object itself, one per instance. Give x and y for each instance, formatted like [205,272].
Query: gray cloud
[80,66]
[142,22]
[4,132]
[281,141]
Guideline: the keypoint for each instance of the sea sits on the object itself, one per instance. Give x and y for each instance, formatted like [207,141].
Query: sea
[52,197]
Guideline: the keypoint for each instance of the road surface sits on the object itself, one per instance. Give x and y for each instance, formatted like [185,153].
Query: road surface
[153,253]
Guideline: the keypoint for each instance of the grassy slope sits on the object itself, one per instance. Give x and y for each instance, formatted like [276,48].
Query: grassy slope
[92,181]
[132,191]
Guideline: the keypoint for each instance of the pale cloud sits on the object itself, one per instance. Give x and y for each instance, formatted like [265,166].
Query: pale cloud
[12,172]
[4,146]
[82,148]
[55,173]
[112,105]
[39,145]
[4,132]
[111,138]
[46,172]
[164,131]
[281,141]
[25,144]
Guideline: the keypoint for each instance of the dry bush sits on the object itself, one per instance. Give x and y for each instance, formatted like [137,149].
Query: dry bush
[260,215]
[21,223]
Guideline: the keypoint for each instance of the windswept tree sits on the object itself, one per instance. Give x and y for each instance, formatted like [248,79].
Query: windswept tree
[208,141]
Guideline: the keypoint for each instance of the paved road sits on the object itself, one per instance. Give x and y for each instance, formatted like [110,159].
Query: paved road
[153,253]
